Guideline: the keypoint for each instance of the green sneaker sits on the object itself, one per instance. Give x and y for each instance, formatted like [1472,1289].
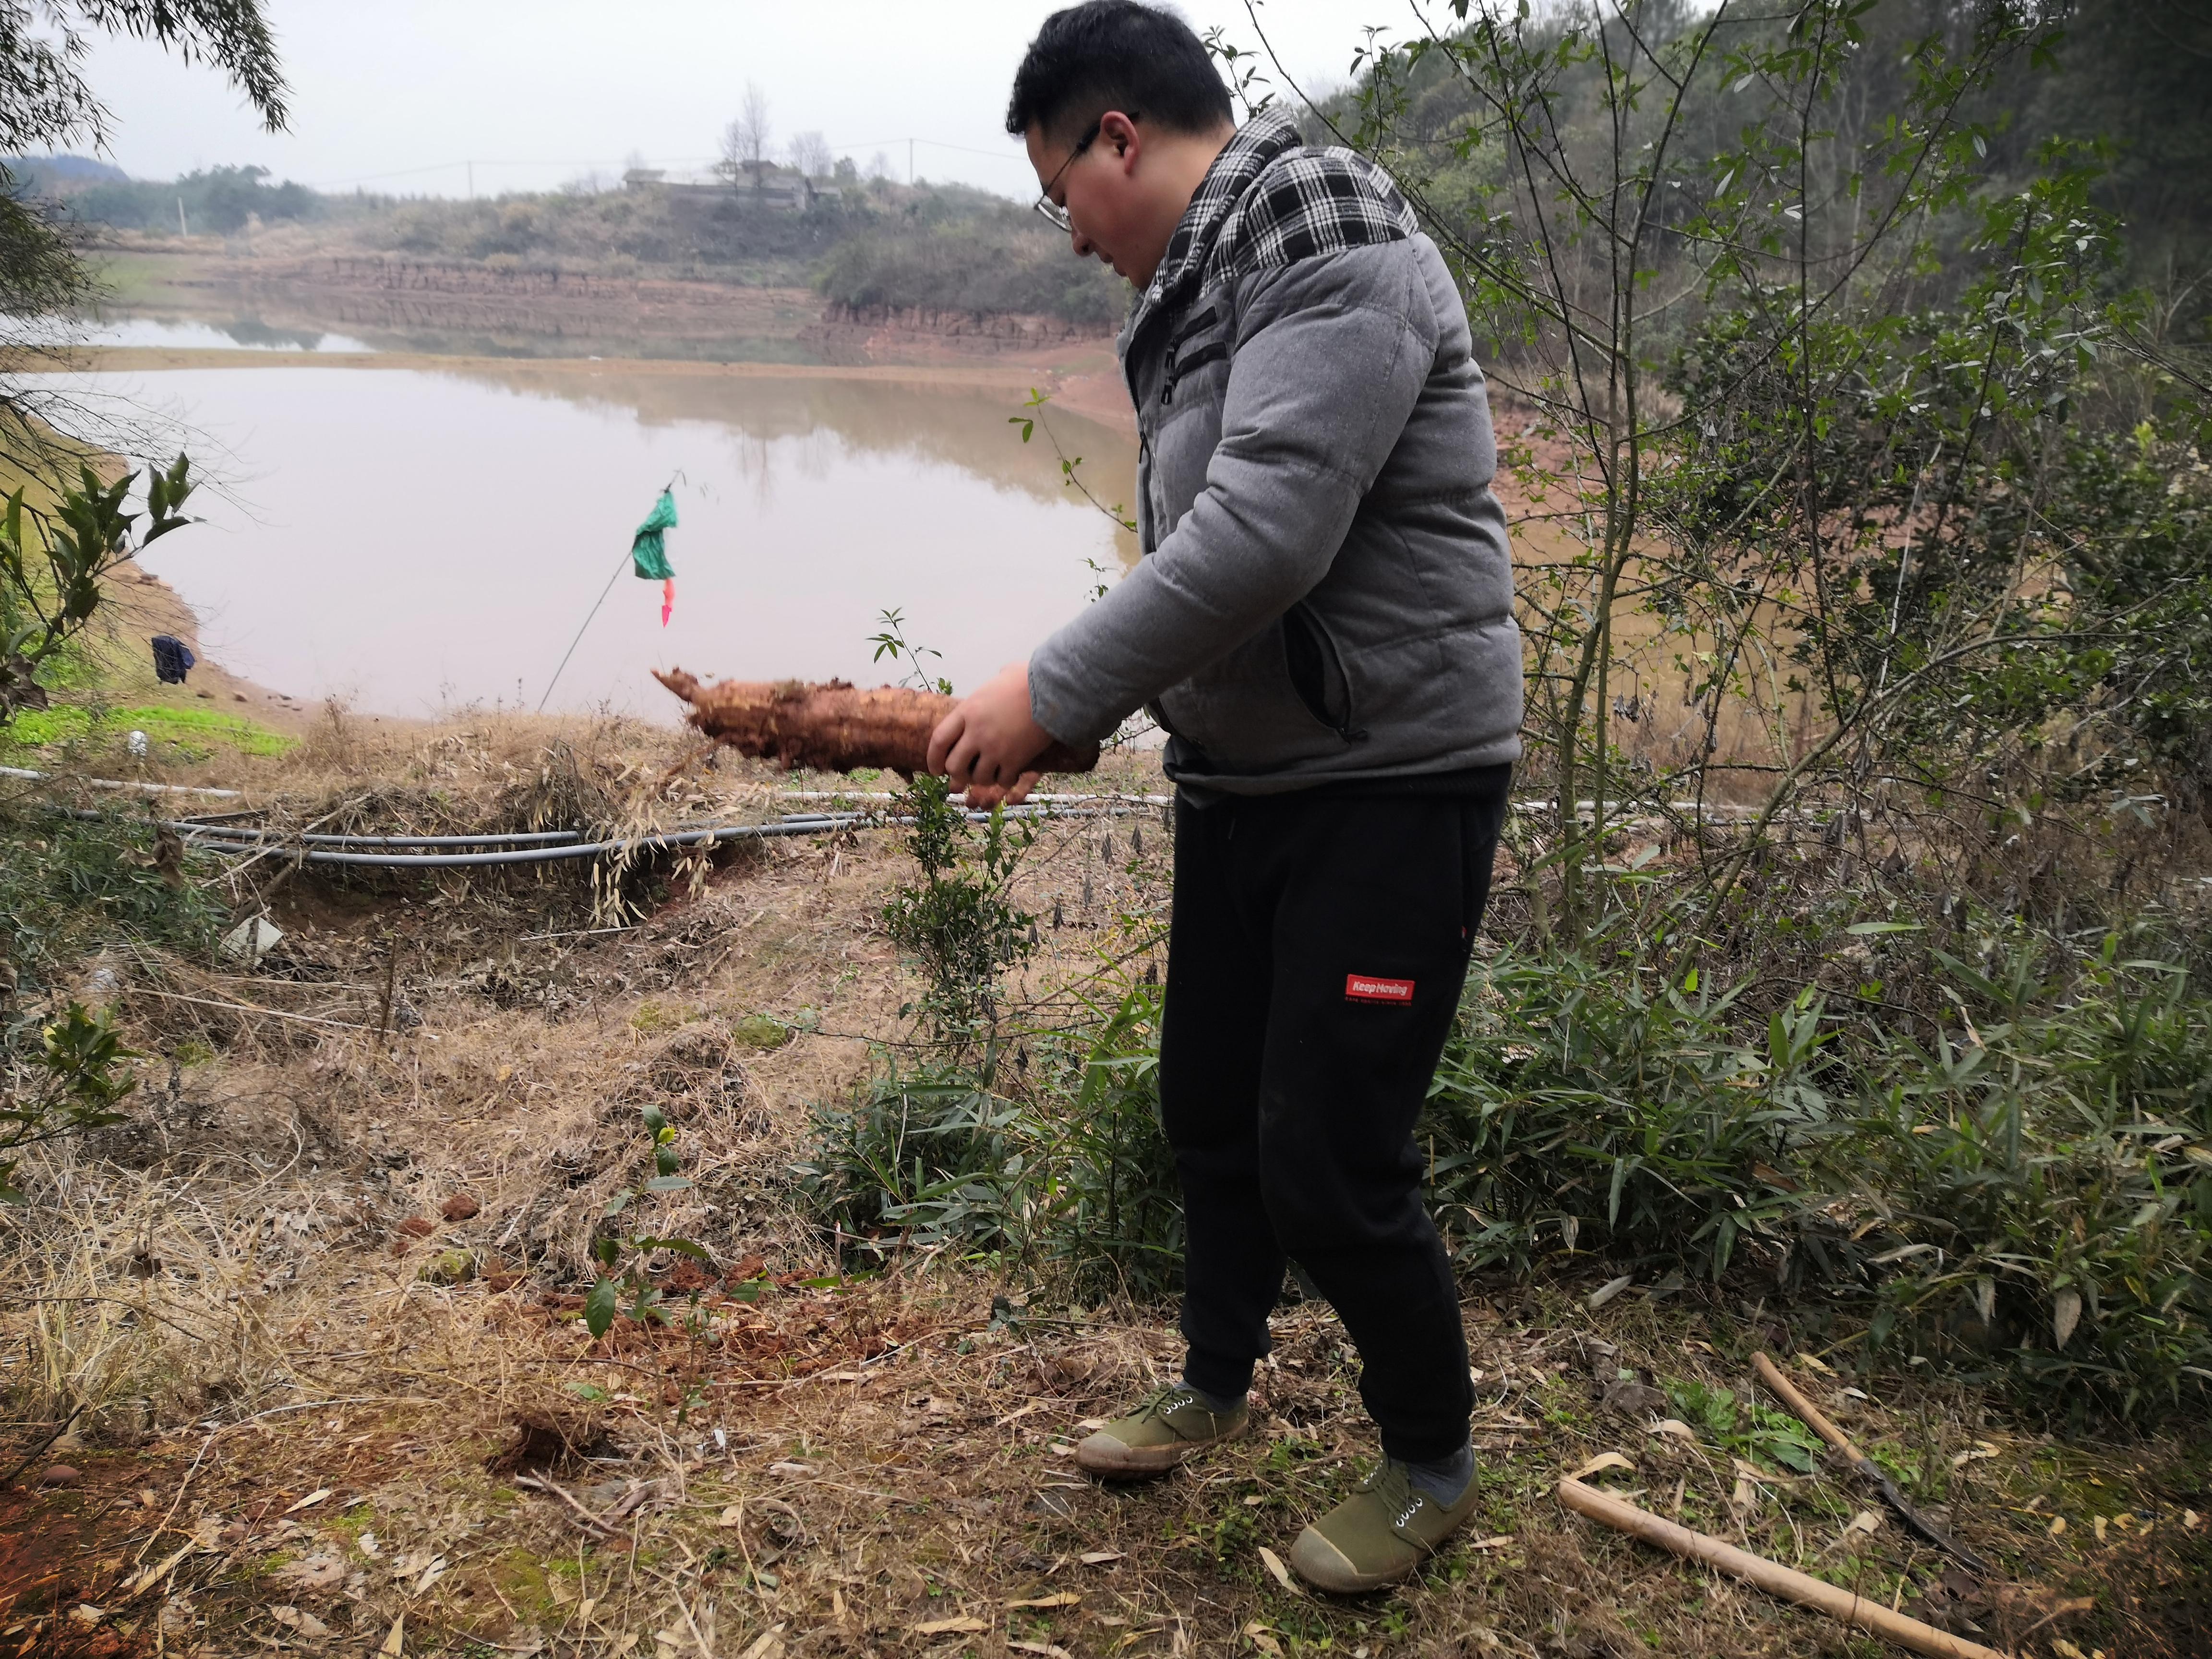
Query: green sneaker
[1159,1434]
[1379,1534]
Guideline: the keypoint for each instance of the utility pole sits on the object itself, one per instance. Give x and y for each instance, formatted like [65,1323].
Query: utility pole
[181,230]
[909,160]
[471,167]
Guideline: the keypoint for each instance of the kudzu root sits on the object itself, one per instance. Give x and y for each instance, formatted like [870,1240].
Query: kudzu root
[833,726]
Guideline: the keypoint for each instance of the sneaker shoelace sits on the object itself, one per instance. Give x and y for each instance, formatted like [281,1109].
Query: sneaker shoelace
[1391,1481]
[1164,1403]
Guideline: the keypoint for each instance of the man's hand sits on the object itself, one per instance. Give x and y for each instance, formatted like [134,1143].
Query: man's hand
[988,740]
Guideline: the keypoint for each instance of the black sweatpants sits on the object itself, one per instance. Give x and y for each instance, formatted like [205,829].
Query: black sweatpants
[1315,962]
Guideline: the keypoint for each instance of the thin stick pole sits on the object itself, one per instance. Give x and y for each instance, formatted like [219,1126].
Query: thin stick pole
[578,639]
[1769,1575]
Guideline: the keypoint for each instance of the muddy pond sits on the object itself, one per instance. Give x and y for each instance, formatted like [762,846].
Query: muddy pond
[420,539]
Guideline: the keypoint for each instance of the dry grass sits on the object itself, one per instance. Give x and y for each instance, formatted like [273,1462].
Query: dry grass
[262,1289]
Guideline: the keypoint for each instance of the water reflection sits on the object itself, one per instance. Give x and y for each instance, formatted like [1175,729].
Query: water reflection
[180,334]
[411,538]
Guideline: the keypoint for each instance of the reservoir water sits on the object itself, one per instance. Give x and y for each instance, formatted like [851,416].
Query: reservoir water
[415,540]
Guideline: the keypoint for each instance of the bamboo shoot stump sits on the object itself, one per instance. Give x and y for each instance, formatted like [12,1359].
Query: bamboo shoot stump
[833,726]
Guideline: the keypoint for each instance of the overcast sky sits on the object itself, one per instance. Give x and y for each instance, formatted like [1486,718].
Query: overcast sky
[397,95]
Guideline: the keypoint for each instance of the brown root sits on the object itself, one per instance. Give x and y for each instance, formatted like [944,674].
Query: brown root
[833,727]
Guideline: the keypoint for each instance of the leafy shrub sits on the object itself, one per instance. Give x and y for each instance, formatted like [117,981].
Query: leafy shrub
[958,923]
[926,1160]
[1581,1101]
[69,886]
[2034,1200]
[2050,1186]
[71,1081]
[1072,1180]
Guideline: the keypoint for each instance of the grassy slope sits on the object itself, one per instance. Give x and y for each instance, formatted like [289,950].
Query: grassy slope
[102,680]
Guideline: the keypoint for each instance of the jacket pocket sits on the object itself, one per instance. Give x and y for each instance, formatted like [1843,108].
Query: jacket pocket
[1317,672]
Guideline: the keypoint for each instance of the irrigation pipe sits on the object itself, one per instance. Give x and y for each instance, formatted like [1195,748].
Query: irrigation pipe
[316,850]
[26,772]
[203,832]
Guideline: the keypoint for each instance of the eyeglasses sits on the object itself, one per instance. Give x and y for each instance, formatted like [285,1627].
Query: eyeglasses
[1052,210]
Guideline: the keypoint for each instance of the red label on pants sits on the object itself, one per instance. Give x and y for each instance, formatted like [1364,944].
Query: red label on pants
[1365,987]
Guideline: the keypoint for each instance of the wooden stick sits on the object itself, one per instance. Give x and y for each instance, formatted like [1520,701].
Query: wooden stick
[1807,1414]
[1817,1420]
[1769,1575]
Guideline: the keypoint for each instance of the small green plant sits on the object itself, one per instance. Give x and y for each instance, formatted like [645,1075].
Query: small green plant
[959,922]
[625,1258]
[1745,1428]
[77,1077]
[892,642]
[51,569]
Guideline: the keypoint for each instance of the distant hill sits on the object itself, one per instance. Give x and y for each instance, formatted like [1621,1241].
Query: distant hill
[58,175]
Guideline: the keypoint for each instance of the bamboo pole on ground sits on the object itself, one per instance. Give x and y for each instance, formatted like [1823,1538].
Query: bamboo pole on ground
[1769,1575]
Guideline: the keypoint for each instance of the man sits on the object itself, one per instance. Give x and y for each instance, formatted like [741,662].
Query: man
[1322,624]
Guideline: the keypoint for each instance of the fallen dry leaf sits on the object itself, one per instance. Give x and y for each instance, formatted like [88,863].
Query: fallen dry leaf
[965,1625]
[83,1613]
[431,1575]
[310,1500]
[153,1575]
[1098,1558]
[304,1622]
[1257,1635]
[1676,1427]
[1603,1460]
[1064,1599]
[1497,1543]
[2058,1525]
[395,1639]
[1277,1571]
[314,1573]
[1865,1520]
[767,1645]
[1605,1292]
[2100,1523]
[1044,1648]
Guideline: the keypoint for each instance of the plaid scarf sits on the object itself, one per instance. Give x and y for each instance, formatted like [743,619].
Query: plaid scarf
[1268,201]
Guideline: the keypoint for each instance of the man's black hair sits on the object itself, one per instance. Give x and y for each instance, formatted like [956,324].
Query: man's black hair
[1116,54]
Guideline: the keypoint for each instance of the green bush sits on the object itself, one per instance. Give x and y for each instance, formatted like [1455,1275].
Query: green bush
[2051,1185]
[1597,1106]
[2033,1200]
[1071,1179]
[71,886]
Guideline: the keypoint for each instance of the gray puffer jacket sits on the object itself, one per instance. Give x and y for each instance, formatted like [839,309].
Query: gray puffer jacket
[1326,593]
